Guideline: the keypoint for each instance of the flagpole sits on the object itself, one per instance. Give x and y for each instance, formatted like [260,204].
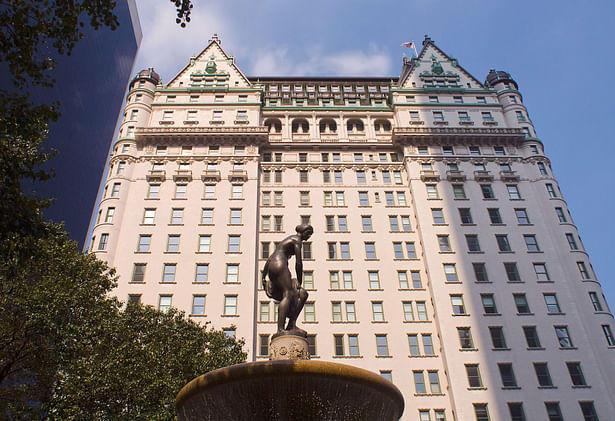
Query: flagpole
[414,46]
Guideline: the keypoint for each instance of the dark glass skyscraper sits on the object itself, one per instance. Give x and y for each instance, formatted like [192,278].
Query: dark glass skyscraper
[90,85]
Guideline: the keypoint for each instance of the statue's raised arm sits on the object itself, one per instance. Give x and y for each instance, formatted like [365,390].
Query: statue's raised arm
[281,286]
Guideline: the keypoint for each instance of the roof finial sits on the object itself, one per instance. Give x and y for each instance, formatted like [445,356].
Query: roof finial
[215,38]
[427,40]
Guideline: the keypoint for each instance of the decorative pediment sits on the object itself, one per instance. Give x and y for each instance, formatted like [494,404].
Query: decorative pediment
[211,68]
[434,68]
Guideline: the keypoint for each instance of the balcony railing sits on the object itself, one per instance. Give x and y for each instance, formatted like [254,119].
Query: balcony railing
[509,175]
[482,175]
[429,175]
[156,175]
[210,175]
[455,175]
[238,175]
[182,175]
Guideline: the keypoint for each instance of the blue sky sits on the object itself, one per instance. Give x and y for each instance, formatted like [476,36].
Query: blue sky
[560,53]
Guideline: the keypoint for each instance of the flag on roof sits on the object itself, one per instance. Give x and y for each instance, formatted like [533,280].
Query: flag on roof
[409,44]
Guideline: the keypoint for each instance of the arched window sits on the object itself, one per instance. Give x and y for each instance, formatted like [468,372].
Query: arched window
[355,126]
[328,126]
[273,125]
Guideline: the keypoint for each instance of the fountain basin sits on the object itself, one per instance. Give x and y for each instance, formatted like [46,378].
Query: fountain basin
[301,390]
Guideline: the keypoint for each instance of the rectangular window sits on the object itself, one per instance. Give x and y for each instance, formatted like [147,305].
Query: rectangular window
[560,215]
[309,312]
[551,190]
[432,191]
[237,191]
[413,341]
[459,191]
[419,383]
[473,373]
[487,191]
[410,250]
[450,272]
[531,243]
[438,216]
[480,272]
[363,199]
[572,242]
[589,411]
[232,273]
[235,217]
[543,375]
[434,382]
[351,315]
[102,243]
[438,116]
[503,243]
[230,305]
[202,272]
[498,341]
[444,243]
[339,198]
[421,310]
[465,215]
[522,217]
[180,191]
[164,303]
[263,346]
[353,345]
[472,242]
[541,272]
[563,337]
[521,304]
[138,272]
[531,337]
[553,411]
[576,374]
[382,346]
[427,344]
[507,375]
[144,243]
[339,345]
[458,305]
[115,190]
[377,311]
[408,312]
[593,297]
[608,335]
[374,280]
[210,191]
[198,305]
[204,243]
[512,273]
[488,302]
[465,338]
[345,250]
[173,243]
[233,243]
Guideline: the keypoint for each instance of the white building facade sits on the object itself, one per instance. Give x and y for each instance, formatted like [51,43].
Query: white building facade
[443,256]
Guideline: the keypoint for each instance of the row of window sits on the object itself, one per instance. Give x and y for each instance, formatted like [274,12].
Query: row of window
[464,116]
[472,150]
[434,99]
[495,217]
[503,244]
[328,88]
[346,311]
[334,157]
[517,413]
[192,115]
[329,176]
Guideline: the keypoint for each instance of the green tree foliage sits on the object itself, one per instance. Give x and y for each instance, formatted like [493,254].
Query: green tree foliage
[67,350]
[139,364]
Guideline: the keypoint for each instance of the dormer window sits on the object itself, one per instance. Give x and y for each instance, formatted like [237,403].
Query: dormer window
[171,98]
[481,100]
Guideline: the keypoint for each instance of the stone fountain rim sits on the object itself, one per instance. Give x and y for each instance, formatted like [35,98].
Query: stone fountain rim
[227,375]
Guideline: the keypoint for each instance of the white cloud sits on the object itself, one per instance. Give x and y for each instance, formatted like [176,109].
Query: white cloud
[166,46]
[278,62]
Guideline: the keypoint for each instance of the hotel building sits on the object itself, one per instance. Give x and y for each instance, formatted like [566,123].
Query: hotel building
[443,257]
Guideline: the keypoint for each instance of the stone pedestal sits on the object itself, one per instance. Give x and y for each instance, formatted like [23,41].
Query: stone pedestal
[289,347]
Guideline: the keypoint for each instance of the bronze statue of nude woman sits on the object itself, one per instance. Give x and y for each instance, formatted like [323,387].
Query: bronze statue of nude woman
[281,286]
